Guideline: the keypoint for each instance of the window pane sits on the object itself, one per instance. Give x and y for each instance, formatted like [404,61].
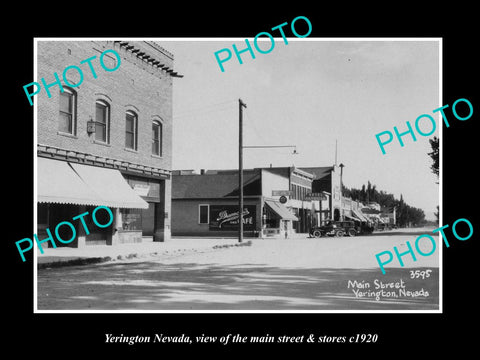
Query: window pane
[100,132]
[101,113]
[155,137]
[203,214]
[101,122]
[155,148]
[130,131]
[155,131]
[160,129]
[129,123]
[65,123]
[66,102]
[129,140]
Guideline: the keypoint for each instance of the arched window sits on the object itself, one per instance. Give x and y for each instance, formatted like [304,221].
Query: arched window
[131,127]
[102,121]
[157,133]
[68,108]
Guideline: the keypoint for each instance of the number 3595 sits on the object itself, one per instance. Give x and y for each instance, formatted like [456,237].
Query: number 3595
[417,274]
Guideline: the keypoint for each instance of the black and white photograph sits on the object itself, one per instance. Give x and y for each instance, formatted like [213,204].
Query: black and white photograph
[143,144]
[236,181]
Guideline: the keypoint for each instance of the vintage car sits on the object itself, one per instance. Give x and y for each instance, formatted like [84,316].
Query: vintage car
[336,228]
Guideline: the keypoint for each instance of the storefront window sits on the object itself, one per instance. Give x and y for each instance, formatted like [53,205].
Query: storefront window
[270,219]
[131,219]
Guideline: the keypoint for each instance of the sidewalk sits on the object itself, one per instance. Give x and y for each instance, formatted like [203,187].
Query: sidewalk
[67,256]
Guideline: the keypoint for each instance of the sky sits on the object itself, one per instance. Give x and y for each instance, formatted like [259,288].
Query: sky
[311,93]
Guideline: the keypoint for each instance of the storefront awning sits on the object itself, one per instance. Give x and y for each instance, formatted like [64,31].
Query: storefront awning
[353,217]
[359,215]
[58,183]
[280,210]
[69,183]
[110,187]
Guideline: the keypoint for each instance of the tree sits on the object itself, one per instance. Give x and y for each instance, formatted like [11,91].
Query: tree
[406,215]
[434,154]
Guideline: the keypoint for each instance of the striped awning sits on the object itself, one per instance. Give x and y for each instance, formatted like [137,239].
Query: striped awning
[62,182]
[280,209]
[359,215]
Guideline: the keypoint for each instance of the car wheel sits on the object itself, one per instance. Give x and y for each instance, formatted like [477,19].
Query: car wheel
[317,233]
[352,232]
[339,233]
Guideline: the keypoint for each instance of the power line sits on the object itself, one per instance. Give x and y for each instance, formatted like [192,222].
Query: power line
[207,109]
[250,121]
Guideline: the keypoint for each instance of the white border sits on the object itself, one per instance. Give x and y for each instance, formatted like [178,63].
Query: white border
[35,273]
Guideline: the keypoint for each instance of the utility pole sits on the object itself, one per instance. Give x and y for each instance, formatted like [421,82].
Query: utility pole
[335,152]
[241,105]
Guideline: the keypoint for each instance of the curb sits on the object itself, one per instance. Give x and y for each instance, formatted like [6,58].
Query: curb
[74,262]
[99,260]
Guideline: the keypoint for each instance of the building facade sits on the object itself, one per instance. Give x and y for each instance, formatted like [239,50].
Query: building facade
[104,138]
[275,202]
[327,179]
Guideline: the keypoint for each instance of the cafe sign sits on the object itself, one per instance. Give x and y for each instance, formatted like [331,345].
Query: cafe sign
[225,217]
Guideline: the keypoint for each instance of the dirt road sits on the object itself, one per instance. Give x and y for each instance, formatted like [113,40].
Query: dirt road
[271,275]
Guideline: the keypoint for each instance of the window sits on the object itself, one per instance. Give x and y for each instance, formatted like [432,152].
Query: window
[296,192]
[157,138]
[67,112]
[131,121]
[131,219]
[102,121]
[203,214]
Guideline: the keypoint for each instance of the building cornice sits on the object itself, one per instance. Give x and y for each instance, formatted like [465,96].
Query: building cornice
[57,153]
[149,58]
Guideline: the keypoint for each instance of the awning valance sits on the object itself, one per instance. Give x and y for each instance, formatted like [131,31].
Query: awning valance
[280,210]
[71,183]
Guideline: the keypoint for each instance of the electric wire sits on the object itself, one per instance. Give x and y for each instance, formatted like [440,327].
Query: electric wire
[205,110]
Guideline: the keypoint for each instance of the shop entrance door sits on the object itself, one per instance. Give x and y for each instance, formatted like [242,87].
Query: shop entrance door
[148,220]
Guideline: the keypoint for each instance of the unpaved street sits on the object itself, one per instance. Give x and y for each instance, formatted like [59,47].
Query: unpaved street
[286,275]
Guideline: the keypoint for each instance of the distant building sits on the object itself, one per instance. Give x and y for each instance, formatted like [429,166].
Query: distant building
[107,141]
[327,179]
[275,201]
[206,204]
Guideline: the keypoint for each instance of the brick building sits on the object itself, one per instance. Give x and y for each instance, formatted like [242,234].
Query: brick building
[106,138]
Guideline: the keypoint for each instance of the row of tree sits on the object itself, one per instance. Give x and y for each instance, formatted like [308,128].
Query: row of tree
[406,215]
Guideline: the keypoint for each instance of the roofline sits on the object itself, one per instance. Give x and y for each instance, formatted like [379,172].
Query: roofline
[218,198]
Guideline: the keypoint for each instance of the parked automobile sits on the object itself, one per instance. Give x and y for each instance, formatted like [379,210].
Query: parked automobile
[336,228]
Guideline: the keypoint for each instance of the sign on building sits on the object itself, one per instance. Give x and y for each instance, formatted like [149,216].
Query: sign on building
[225,217]
[281,193]
[315,196]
